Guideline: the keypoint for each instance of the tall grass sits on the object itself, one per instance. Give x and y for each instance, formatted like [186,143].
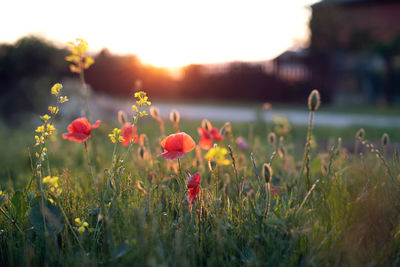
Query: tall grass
[268,206]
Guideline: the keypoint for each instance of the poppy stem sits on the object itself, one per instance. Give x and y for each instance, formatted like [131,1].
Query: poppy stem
[268,191]
[180,169]
[91,168]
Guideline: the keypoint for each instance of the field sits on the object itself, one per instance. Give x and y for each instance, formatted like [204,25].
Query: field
[278,196]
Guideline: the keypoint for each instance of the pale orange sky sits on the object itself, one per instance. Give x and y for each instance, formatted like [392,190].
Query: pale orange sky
[165,33]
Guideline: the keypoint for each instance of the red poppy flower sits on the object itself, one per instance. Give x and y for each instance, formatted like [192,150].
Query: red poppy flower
[126,131]
[207,137]
[193,186]
[176,145]
[79,130]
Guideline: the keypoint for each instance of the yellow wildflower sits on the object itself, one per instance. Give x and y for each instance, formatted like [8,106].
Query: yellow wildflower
[52,181]
[40,129]
[217,154]
[116,135]
[63,99]
[142,99]
[78,58]
[53,110]
[50,128]
[81,225]
[55,90]
[134,108]
[45,118]
[143,113]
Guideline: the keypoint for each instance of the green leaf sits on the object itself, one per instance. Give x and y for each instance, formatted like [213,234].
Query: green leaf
[20,204]
[42,214]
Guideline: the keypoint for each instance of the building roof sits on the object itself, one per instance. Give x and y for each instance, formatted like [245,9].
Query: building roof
[350,2]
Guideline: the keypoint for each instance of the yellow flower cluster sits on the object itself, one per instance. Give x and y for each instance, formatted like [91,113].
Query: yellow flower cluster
[116,135]
[143,100]
[52,183]
[45,129]
[78,58]
[82,226]
[55,90]
[217,155]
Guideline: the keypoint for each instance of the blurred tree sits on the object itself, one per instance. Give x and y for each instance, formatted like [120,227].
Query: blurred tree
[27,71]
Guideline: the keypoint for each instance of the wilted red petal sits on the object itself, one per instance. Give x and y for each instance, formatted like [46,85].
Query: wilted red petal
[194,180]
[77,137]
[193,186]
[172,154]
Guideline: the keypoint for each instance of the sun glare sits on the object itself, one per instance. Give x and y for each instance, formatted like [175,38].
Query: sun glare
[169,33]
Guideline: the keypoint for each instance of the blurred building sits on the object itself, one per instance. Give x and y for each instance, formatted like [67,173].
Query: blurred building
[354,51]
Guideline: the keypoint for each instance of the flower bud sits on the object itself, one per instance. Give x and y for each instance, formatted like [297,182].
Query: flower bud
[154,112]
[272,138]
[360,134]
[174,116]
[206,124]
[314,100]
[267,172]
[141,152]
[385,139]
[122,117]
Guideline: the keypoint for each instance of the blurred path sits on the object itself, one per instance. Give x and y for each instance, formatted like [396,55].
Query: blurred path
[108,107]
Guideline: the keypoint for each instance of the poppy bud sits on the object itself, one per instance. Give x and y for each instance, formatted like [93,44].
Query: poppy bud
[267,172]
[174,116]
[206,124]
[141,152]
[314,100]
[385,139]
[225,129]
[272,138]
[122,117]
[211,165]
[360,134]
[281,151]
[154,112]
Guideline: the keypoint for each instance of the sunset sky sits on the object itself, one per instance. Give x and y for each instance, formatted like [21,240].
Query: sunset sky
[165,33]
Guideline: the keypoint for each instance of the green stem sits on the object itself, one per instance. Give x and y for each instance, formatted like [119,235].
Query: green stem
[268,191]
[91,168]
[11,220]
[70,226]
[306,159]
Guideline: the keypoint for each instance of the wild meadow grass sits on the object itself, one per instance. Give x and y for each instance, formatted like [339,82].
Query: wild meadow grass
[99,196]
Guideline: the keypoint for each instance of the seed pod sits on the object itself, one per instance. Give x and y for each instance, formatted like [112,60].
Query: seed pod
[206,124]
[272,138]
[122,117]
[154,112]
[174,116]
[385,139]
[360,134]
[267,172]
[314,100]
